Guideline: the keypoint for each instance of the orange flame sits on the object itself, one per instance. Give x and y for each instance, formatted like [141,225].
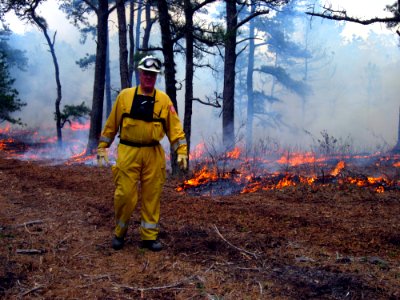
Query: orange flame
[198,151]
[5,129]
[284,182]
[80,126]
[340,165]
[234,154]
[295,159]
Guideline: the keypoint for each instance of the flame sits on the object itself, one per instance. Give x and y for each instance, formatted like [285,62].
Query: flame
[37,144]
[285,182]
[198,151]
[340,166]
[3,143]
[251,188]
[5,130]
[297,158]
[245,177]
[307,180]
[234,154]
[200,177]
[80,126]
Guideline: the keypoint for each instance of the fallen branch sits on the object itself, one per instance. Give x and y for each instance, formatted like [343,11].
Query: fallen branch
[32,290]
[29,223]
[30,232]
[233,246]
[168,286]
[30,251]
[261,288]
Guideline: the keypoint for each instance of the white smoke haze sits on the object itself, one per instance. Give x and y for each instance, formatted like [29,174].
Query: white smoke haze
[354,94]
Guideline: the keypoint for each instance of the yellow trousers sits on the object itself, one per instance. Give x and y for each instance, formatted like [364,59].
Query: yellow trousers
[144,165]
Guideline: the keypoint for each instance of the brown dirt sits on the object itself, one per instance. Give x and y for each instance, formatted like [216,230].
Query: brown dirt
[324,242]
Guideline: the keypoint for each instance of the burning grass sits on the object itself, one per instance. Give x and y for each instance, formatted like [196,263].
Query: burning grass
[233,173]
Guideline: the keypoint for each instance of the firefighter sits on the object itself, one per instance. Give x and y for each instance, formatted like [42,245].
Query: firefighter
[142,115]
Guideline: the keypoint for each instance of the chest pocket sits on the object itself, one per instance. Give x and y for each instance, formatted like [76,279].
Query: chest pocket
[142,107]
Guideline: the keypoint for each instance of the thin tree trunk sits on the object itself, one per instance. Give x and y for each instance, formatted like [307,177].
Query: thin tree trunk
[137,37]
[149,24]
[169,64]
[108,80]
[187,124]
[99,77]
[123,49]
[228,114]
[57,76]
[250,91]
[131,66]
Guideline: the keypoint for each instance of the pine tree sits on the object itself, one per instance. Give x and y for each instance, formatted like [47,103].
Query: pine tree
[9,101]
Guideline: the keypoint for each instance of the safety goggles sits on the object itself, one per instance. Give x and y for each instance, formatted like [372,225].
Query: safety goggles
[152,62]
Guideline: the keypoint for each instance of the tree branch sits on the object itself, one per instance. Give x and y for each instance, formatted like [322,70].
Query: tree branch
[209,102]
[248,18]
[341,15]
[90,4]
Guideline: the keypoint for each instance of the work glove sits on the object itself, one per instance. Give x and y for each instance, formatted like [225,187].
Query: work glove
[182,161]
[102,155]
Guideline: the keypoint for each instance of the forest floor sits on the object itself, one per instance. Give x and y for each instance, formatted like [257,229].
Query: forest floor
[301,242]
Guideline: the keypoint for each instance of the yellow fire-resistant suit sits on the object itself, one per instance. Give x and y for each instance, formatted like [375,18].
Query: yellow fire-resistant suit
[140,157]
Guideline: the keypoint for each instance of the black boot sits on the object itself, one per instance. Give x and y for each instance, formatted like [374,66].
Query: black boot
[153,245]
[118,243]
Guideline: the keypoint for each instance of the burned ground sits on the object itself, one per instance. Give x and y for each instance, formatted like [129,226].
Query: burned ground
[328,241]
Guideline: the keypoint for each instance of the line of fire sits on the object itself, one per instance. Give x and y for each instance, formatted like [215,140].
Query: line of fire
[226,173]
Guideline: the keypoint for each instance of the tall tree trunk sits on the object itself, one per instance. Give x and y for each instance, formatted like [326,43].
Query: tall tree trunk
[169,64]
[123,48]
[137,35]
[149,24]
[187,123]
[131,66]
[51,44]
[250,91]
[228,114]
[99,77]
[108,80]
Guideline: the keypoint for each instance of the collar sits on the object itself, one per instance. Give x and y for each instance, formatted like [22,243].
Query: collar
[140,92]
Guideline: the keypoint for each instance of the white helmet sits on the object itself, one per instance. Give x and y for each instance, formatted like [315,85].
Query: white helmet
[150,63]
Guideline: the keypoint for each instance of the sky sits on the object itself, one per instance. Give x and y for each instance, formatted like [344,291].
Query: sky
[346,112]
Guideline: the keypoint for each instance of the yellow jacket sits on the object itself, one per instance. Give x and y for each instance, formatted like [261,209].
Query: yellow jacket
[143,132]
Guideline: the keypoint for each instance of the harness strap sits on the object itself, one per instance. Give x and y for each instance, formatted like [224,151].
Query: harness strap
[139,145]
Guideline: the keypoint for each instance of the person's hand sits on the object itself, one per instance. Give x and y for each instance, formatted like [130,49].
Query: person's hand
[182,161]
[102,155]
